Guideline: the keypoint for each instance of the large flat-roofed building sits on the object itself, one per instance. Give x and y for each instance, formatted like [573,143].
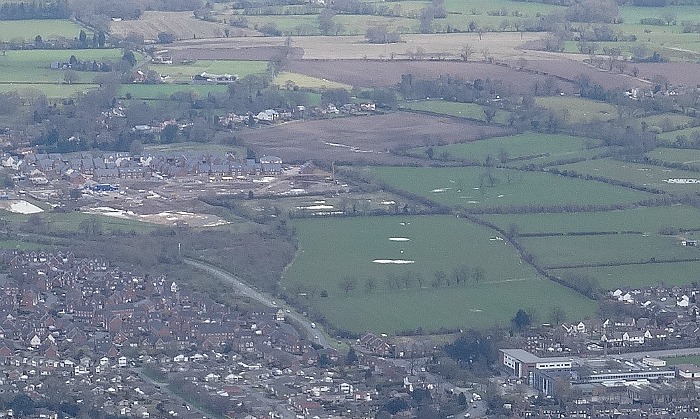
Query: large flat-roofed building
[523,364]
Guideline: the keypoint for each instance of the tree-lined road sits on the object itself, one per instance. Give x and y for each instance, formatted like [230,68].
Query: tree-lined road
[315,335]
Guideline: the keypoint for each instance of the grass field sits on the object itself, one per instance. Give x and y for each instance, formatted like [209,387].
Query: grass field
[468,187]
[520,146]
[31,66]
[578,110]
[562,251]
[48,29]
[308,82]
[159,91]
[667,121]
[51,91]
[70,221]
[644,219]
[634,276]
[638,174]
[672,135]
[676,155]
[349,246]
[462,110]
[185,72]
[688,359]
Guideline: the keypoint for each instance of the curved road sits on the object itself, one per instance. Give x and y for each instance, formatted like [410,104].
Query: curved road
[315,335]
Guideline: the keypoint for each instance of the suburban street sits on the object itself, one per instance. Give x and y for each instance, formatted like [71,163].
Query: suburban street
[314,331]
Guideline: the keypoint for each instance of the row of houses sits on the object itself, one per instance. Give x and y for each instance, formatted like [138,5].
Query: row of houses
[78,167]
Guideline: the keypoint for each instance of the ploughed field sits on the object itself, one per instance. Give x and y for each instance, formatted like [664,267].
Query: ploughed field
[362,138]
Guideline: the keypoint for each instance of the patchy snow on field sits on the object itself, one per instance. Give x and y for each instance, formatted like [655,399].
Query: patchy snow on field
[162,218]
[393,261]
[316,207]
[21,207]
[399,239]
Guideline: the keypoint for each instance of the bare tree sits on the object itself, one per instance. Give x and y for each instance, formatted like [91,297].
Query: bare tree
[467,51]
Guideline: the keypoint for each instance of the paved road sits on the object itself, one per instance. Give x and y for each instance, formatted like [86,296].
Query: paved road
[666,353]
[164,388]
[314,333]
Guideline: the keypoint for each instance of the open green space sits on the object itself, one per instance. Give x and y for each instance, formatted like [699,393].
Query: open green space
[50,90]
[48,29]
[634,14]
[638,174]
[34,66]
[672,136]
[643,219]
[462,110]
[470,187]
[667,121]
[348,248]
[480,306]
[565,251]
[529,147]
[636,276]
[687,359]
[677,155]
[70,221]
[21,245]
[578,110]
[307,82]
[160,91]
[185,72]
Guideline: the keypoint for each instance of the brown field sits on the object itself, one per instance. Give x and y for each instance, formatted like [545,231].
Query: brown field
[181,24]
[685,74]
[499,45]
[377,73]
[265,53]
[569,69]
[362,138]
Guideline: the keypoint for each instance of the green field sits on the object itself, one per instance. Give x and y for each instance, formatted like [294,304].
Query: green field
[48,29]
[637,174]
[308,82]
[468,187]
[667,121]
[160,91]
[688,359]
[578,110]
[70,221]
[462,110]
[634,276]
[349,246]
[677,155]
[185,72]
[564,251]
[644,219]
[33,66]
[671,136]
[529,147]
[51,91]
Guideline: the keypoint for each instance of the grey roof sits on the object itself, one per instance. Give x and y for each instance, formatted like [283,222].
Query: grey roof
[528,358]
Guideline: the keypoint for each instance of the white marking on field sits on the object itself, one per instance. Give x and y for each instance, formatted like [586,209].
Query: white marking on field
[23,207]
[317,207]
[440,190]
[681,181]
[399,239]
[388,202]
[393,261]
[476,310]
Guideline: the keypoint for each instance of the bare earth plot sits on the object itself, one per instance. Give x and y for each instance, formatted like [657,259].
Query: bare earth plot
[261,53]
[362,138]
[500,46]
[388,73]
[571,69]
[181,24]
